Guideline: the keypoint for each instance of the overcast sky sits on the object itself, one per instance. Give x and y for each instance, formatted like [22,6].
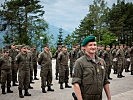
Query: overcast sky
[67,13]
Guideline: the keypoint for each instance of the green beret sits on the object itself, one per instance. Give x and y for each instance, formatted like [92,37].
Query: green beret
[88,39]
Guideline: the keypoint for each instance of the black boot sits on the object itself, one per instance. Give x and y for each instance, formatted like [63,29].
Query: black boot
[21,94]
[30,87]
[131,72]
[49,88]
[71,75]
[35,78]
[43,90]
[56,77]
[119,76]
[8,90]
[14,84]
[122,75]
[61,86]
[27,93]
[3,90]
[67,86]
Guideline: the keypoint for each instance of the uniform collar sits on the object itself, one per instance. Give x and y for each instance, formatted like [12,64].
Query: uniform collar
[97,60]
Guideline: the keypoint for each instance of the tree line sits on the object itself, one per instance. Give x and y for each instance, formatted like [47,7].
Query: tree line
[23,22]
[110,25]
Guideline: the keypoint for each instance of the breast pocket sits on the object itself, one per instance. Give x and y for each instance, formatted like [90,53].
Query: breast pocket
[88,75]
[88,80]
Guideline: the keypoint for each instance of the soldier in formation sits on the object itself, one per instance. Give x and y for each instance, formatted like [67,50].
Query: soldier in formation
[120,61]
[57,62]
[107,58]
[13,53]
[45,60]
[23,61]
[81,52]
[29,53]
[35,54]
[72,57]
[6,72]
[114,59]
[63,58]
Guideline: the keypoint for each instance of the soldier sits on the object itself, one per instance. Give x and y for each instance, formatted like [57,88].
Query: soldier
[121,59]
[131,58]
[45,60]
[13,53]
[89,76]
[72,57]
[63,67]
[114,62]
[127,59]
[100,51]
[35,54]
[57,62]
[6,75]
[29,53]
[80,52]
[107,59]
[23,61]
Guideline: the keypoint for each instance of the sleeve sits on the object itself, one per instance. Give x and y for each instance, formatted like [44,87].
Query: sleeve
[59,56]
[17,58]
[1,61]
[40,58]
[77,74]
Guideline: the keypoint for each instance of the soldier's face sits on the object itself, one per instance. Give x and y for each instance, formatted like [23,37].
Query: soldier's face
[6,53]
[91,47]
[23,50]
[13,46]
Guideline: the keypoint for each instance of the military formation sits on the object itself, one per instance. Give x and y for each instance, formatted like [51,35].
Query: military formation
[118,58]
[18,65]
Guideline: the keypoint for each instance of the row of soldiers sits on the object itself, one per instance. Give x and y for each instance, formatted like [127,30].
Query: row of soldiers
[118,58]
[18,62]
[23,60]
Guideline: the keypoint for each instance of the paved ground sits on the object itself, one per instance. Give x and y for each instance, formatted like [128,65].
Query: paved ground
[121,89]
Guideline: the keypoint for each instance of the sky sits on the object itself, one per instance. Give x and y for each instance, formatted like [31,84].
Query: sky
[67,14]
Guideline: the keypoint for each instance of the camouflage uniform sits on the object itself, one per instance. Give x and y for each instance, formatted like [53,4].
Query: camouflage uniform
[107,59]
[127,57]
[29,53]
[63,69]
[73,57]
[6,73]
[91,76]
[121,59]
[45,60]
[13,54]
[23,60]
[80,53]
[57,63]
[114,62]
[34,60]
[100,52]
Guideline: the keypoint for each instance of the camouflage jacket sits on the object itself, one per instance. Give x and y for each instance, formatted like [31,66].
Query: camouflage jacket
[45,60]
[23,61]
[5,63]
